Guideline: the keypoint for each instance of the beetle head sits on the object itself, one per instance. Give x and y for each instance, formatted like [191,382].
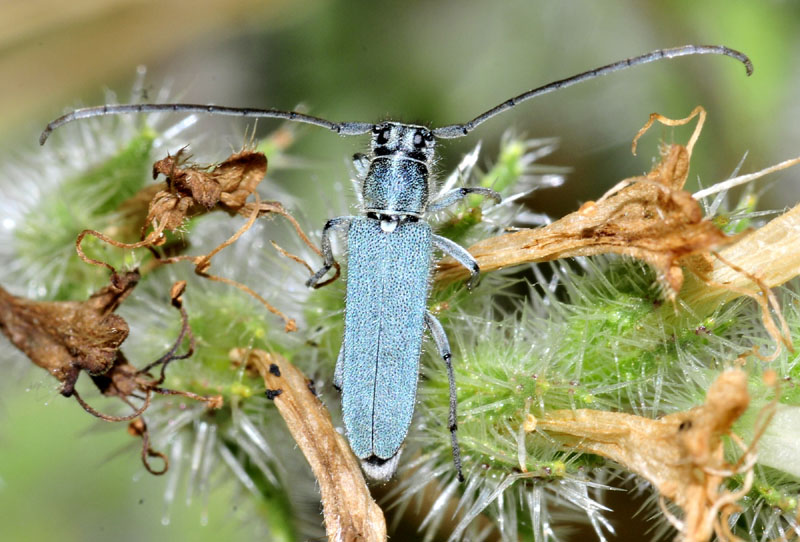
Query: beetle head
[404,140]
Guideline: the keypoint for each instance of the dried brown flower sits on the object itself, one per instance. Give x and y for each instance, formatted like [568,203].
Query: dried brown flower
[680,454]
[191,190]
[650,218]
[67,337]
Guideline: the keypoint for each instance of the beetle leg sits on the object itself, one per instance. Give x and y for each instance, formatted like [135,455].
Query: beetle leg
[361,164]
[459,254]
[439,337]
[327,253]
[451,197]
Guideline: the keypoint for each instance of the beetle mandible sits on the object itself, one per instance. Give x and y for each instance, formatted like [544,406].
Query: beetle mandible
[390,260]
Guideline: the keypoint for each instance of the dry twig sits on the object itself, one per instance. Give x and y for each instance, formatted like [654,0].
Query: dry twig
[350,513]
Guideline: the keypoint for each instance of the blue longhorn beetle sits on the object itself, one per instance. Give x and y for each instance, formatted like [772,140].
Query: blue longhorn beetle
[390,259]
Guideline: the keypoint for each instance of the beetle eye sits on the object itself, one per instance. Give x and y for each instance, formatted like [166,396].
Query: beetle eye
[419,141]
[383,136]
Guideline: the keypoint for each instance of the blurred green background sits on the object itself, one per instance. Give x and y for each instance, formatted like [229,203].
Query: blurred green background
[415,61]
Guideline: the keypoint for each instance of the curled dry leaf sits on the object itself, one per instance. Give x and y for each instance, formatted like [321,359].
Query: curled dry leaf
[189,190]
[650,218]
[67,337]
[202,263]
[680,454]
[350,513]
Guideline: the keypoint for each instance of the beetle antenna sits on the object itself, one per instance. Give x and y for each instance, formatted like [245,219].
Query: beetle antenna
[454,131]
[341,128]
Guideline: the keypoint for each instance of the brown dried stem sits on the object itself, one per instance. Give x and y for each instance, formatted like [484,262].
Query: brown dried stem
[349,511]
[138,428]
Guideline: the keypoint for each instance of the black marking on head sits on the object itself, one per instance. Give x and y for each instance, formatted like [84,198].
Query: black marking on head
[425,138]
[383,134]
[272,394]
[403,141]
[274,369]
[417,155]
[391,217]
[685,425]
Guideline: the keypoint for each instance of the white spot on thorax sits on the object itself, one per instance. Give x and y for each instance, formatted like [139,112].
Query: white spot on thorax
[388,225]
